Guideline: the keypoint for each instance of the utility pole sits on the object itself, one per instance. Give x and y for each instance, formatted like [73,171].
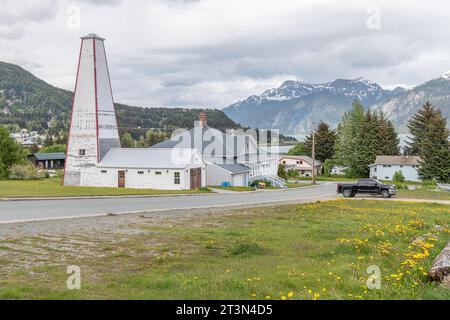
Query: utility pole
[313,154]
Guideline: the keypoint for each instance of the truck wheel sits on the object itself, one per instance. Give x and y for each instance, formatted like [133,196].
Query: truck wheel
[385,194]
[347,193]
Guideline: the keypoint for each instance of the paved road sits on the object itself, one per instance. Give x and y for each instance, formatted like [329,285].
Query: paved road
[36,210]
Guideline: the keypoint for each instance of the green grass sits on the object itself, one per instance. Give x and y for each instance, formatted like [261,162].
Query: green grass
[296,185]
[52,187]
[234,188]
[320,250]
[423,193]
[323,178]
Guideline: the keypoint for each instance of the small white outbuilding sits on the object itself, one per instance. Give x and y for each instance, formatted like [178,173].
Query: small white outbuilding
[151,168]
[385,167]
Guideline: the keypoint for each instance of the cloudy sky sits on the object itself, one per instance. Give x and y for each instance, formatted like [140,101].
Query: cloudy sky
[214,52]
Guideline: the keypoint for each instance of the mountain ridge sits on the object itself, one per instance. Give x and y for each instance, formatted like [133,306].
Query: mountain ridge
[295,106]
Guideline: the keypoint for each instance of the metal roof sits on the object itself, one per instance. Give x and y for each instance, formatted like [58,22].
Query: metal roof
[399,160]
[202,139]
[148,158]
[233,167]
[50,155]
[307,159]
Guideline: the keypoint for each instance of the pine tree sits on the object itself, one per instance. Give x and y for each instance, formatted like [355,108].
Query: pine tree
[388,141]
[361,136]
[417,126]
[324,139]
[347,133]
[434,150]
[127,140]
[10,152]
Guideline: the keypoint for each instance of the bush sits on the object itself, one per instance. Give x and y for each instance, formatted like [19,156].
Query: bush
[282,172]
[327,166]
[254,183]
[246,249]
[292,173]
[398,176]
[26,172]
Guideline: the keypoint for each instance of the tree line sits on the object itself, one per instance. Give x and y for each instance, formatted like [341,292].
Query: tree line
[363,134]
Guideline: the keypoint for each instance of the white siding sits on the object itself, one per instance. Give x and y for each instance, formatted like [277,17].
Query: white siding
[386,172]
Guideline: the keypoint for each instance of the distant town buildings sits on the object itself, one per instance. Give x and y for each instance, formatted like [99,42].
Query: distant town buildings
[27,138]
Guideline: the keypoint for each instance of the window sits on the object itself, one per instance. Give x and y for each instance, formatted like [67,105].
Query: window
[284,161]
[140,172]
[384,166]
[104,171]
[389,166]
[387,178]
[401,166]
[298,162]
[158,173]
[375,169]
[82,152]
[176,177]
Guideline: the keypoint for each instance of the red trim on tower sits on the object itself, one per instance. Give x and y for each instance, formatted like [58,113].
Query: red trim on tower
[110,88]
[73,106]
[96,98]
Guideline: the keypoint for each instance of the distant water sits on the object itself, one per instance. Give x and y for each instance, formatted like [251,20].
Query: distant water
[402,136]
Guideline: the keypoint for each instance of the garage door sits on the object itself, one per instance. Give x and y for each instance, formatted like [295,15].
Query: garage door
[238,180]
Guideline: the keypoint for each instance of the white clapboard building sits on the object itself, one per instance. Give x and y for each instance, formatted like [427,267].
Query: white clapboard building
[94,156]
[232,158]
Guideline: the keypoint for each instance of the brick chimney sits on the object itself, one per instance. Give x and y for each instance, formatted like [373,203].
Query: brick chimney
[203,119]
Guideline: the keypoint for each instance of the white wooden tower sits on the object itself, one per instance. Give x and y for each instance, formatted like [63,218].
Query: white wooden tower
[93,127]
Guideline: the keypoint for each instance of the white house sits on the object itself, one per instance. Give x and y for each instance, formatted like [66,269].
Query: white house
[94,157]
[232,157]
[384,167]
[302,164]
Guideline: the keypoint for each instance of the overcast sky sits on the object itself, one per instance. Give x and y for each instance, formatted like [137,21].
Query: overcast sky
[212,53]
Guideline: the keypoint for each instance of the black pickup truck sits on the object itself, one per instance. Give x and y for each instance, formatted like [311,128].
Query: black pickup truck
[369,186]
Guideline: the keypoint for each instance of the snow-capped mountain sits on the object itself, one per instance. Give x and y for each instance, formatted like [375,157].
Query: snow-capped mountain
[295,105]
[402,106]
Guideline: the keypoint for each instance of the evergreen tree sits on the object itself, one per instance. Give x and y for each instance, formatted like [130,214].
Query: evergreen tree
[346,135]
[127,140]
[434,150]
[282,172]
[298,150]
[10,152]
[48,140]
[388,141]
[324,138]
[361,136]
[417,126]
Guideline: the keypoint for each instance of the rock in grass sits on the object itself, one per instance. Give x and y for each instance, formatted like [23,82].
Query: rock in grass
[441,265]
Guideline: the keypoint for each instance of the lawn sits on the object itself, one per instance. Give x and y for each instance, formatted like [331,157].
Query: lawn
[310,251]
[424,193]
[52,187]
[233,188]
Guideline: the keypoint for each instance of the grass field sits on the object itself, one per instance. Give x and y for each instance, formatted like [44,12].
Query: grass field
[52,187]
[311,251]
[423,194]
[235,188]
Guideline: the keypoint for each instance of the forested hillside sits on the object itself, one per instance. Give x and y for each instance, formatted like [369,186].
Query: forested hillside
[28,102]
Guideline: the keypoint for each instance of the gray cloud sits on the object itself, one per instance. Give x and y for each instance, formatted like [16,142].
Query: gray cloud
[212,53]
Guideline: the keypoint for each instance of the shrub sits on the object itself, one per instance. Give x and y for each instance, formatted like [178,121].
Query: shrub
[254,183]
[398,176]
[292,173]
[26,172]
[282,172]
[247,248]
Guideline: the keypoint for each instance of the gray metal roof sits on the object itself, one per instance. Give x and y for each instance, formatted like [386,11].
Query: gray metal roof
[50,155]
[148,158]
[208,136]
[233,167]
[399,160]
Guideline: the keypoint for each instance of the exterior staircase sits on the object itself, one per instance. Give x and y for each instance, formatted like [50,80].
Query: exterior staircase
[275,180]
